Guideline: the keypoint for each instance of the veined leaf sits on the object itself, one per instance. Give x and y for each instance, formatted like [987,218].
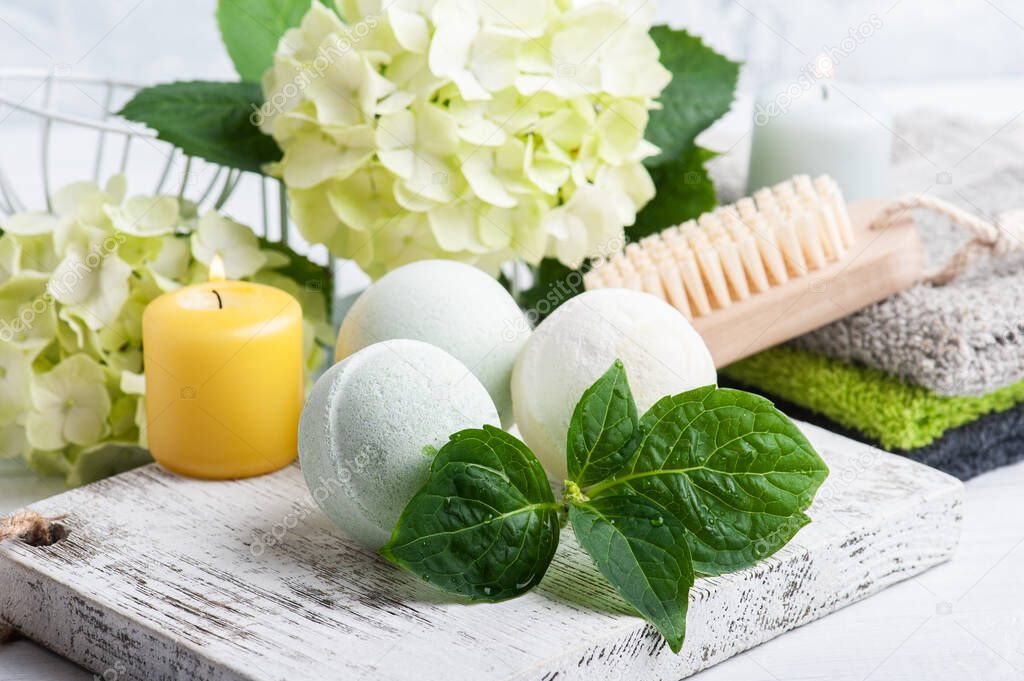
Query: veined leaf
[735,470]
[642,552]
[485,524]
[603,429]
[685,191]
[701,92]
[207,119]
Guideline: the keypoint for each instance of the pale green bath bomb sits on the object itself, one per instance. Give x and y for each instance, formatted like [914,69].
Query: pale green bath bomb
[454,306]
[572,348]
[371,425]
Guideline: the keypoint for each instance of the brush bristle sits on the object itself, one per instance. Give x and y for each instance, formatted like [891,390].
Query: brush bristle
[735,251]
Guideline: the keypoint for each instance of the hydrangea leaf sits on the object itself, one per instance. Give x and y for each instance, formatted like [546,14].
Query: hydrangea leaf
[705,446]
[642,552]
[211,120]
[485,524]
[603,430]
[701,92]
[685,191]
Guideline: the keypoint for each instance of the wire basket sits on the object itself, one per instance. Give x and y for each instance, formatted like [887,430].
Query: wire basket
[70,118]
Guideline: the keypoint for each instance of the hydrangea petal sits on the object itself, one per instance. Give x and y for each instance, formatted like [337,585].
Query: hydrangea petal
[478,169]
[411,30]
[235,243]
[313,160]
[171,261]
[363,200]
[15,380]
[311,211]
[13,442]
[30,224]
[455,227]
[70,404]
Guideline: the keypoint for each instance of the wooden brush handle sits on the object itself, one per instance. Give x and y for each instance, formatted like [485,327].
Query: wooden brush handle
[879,263]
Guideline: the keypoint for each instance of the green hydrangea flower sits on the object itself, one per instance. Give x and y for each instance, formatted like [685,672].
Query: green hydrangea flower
[70,405]
[449,129]
[73,287]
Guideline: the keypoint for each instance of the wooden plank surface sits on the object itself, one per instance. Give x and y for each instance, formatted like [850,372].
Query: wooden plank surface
[167,578]
[879,264]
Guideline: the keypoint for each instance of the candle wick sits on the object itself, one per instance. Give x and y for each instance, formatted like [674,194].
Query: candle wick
[824,92]
[220,303]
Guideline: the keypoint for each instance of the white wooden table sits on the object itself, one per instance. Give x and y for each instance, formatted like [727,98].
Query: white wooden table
[961,620]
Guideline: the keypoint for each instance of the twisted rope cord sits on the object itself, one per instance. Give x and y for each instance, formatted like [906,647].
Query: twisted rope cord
[1004,236]
[29,527]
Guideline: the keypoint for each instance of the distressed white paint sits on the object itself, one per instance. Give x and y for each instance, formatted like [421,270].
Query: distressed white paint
[158,580]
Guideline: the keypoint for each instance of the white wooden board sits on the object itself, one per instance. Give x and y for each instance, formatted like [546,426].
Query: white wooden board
[167,578]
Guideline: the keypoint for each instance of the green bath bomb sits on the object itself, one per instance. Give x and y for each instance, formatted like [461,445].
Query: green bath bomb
[372,424]
[454,306]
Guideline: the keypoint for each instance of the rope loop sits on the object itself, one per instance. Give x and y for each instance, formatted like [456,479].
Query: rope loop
[1003,237]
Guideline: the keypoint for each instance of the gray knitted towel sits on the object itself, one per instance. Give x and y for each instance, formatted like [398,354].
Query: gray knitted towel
[965,338]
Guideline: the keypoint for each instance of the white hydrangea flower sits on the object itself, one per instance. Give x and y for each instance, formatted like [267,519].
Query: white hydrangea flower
[15,379]
[170,267]
[70,405]
[87,202]
[30,224]
[73,288]
[92,281]
[28,320]
[461,129]
[236,244]
[145,215]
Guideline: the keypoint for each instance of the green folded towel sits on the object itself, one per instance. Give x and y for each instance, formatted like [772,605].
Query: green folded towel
[896,414]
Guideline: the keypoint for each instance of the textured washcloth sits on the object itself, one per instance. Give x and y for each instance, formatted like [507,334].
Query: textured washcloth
[883,408]
[965,338]
[978,447]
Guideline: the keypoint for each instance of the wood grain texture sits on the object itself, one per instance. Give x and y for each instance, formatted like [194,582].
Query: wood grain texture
[879,264]
[167,578]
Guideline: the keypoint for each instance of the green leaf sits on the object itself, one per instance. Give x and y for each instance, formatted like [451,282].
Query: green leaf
[701,92]
[603,429]
[251,30]
[207,119]
[735,470]
[642,552]
[485,524]
[685,191]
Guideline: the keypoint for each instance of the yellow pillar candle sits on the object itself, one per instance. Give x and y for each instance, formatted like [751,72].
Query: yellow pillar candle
[224,378]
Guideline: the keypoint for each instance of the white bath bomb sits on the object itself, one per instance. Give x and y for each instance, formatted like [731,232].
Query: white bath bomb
[371,425]
[572,348]
[454,306]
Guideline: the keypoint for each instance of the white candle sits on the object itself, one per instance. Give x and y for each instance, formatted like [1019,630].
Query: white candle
[824,128]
